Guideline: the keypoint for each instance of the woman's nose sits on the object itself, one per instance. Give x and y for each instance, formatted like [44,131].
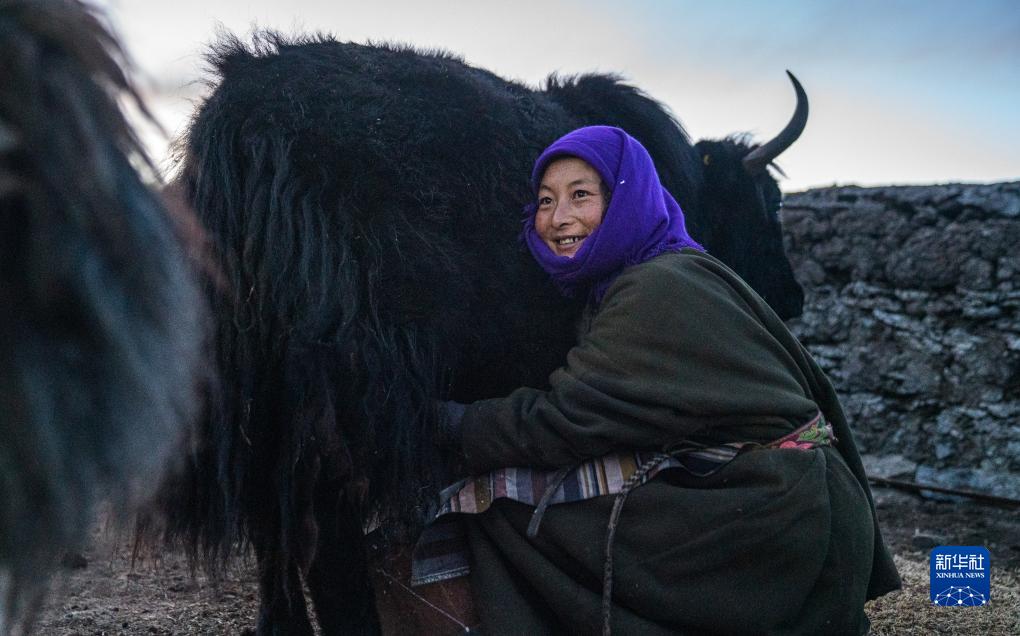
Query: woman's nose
[561,214]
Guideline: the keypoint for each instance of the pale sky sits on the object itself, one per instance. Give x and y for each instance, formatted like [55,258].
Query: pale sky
[900,92]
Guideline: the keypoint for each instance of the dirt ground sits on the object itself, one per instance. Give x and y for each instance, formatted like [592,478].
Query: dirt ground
[160,595]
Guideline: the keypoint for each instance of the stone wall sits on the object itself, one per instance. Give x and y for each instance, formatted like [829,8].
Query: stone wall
[913,309]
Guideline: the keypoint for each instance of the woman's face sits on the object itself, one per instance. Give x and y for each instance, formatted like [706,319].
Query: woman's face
[570,205]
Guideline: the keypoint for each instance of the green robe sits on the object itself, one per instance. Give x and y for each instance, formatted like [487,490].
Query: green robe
[778,541]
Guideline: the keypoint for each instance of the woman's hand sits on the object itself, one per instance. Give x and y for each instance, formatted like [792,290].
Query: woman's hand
[450,414]
[448,437]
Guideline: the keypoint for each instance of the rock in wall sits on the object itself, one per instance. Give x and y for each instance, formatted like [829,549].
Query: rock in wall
[913,309]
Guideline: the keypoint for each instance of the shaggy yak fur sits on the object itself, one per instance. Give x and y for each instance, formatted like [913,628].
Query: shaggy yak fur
[100,315]
[365,204]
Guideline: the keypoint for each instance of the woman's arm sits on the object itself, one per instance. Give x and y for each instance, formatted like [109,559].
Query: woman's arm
[673,350]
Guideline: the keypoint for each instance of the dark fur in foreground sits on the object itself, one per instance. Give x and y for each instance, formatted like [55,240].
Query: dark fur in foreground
[365,203]
[99,316]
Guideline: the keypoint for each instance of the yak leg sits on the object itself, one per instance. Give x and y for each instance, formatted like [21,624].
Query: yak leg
[338,577]
[282,612]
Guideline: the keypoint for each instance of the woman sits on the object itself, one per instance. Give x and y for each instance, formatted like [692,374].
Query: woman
[686,395]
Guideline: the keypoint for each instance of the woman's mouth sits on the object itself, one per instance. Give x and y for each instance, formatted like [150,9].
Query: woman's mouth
[567,245]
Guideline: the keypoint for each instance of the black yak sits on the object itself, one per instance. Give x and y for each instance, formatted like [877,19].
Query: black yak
[101,319]
[365,203]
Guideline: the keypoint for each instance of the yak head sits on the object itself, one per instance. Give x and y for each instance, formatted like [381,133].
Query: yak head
[740,201]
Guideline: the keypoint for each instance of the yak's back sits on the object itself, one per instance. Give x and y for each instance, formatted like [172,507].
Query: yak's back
[417,167]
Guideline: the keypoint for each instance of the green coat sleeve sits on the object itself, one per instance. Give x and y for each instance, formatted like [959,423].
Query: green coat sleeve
[677,347]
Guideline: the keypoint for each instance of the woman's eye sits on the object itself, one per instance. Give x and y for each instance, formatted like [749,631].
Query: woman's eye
[580,194]
[544,201]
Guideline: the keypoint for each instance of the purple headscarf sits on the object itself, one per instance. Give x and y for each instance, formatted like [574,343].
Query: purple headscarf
[642,221]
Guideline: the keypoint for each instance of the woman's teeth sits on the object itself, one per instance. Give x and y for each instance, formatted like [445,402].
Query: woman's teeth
[569,240]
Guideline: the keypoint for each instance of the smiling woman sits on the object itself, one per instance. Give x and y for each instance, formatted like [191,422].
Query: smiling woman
[684,396]
[584,231]
[572,200]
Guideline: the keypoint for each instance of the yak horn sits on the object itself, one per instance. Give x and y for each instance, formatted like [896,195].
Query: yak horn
[757,159]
